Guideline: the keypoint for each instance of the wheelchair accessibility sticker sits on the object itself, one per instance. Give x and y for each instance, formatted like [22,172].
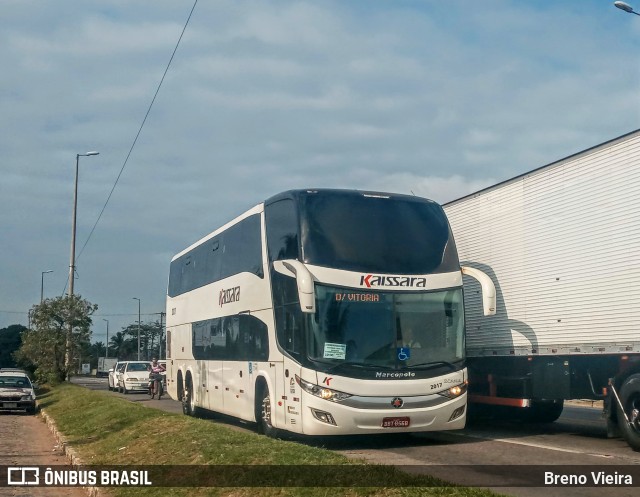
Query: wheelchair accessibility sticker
[404,353]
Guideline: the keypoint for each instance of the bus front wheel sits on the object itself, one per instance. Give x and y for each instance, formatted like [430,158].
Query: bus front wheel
[264,420]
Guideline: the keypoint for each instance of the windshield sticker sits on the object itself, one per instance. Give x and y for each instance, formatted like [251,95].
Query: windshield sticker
[404,353]
[335,350]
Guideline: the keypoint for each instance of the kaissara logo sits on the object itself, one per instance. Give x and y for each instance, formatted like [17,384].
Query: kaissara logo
[229,295]
[376,280]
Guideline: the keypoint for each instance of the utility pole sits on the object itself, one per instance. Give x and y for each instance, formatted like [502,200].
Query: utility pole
[106,354]
[72,262]
[136,298]
[162,315]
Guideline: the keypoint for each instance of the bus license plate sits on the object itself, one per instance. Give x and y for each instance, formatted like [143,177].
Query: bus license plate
[396,422]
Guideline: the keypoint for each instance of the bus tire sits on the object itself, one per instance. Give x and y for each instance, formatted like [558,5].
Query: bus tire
[179,386]
[264,412]
[188,399]
[630,399]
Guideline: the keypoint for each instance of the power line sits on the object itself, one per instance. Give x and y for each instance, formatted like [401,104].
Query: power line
[137,135]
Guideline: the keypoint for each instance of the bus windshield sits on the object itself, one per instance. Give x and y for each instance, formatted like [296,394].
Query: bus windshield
[376,234]
[390,330]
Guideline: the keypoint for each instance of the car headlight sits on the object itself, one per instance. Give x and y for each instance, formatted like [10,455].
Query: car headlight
[455,391]
[322,392]
[28,397]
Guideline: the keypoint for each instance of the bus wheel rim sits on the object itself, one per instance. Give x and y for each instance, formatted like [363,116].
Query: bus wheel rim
[266,410]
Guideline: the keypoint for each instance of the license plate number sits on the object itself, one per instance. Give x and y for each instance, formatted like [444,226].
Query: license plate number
[402,422]
[10,405]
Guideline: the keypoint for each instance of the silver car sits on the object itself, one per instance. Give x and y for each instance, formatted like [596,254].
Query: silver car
[17,392]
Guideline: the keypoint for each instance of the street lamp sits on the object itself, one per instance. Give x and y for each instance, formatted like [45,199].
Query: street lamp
[106,354]
[626,7]
[136,298]
[42,284]
[72,262]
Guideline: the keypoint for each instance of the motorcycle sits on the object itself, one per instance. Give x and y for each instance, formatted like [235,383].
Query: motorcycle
[156,381]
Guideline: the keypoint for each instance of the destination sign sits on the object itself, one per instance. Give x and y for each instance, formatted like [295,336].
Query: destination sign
[357,297]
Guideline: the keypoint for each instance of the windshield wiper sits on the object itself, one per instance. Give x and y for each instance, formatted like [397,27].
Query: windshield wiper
[434,364]
[369,365]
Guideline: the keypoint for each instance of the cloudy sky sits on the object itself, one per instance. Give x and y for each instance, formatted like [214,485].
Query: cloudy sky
[438,98]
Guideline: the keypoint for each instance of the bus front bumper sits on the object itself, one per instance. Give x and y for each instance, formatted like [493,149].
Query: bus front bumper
[320,417]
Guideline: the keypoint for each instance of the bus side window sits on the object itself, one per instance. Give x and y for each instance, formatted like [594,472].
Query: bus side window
[288,324]
[255,344]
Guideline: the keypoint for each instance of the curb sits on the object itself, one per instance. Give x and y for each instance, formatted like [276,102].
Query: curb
[594,404]
[69,452]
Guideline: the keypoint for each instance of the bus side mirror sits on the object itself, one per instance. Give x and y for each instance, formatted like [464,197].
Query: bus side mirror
[304,280]
[488,289]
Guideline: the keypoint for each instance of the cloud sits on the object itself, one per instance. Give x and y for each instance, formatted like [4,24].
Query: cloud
[263,96]
[440,189]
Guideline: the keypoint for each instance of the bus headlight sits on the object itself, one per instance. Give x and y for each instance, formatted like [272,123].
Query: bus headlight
[455,391]
[322,392]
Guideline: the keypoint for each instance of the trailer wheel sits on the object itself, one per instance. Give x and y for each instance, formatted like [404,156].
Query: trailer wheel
[545,411]
[630,399]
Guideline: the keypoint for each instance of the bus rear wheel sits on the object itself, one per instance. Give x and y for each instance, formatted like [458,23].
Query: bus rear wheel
[188,399]
[630,399]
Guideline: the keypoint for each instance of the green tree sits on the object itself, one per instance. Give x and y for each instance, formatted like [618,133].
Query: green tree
[60,326]
[124,346]
[10,342]
[126,341]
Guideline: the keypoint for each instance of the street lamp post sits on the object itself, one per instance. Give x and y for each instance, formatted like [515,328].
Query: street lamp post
[136,298]
[106,353]
[42,284]
[626,7]
[72,261]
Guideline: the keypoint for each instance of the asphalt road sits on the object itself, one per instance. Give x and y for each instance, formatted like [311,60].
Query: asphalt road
[578,438]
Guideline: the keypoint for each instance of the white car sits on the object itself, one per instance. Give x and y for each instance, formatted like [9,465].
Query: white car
[134,377]
[113,375]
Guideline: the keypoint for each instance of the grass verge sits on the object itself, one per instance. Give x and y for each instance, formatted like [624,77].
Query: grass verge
[106,430]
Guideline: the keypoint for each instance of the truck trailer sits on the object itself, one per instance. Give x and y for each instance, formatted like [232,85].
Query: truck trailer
[562,246]
[104,365]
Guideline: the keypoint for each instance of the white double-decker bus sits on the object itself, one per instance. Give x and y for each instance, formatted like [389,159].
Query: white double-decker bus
[323,312]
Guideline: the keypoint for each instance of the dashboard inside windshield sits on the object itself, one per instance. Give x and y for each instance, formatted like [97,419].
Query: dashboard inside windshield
[391,330]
